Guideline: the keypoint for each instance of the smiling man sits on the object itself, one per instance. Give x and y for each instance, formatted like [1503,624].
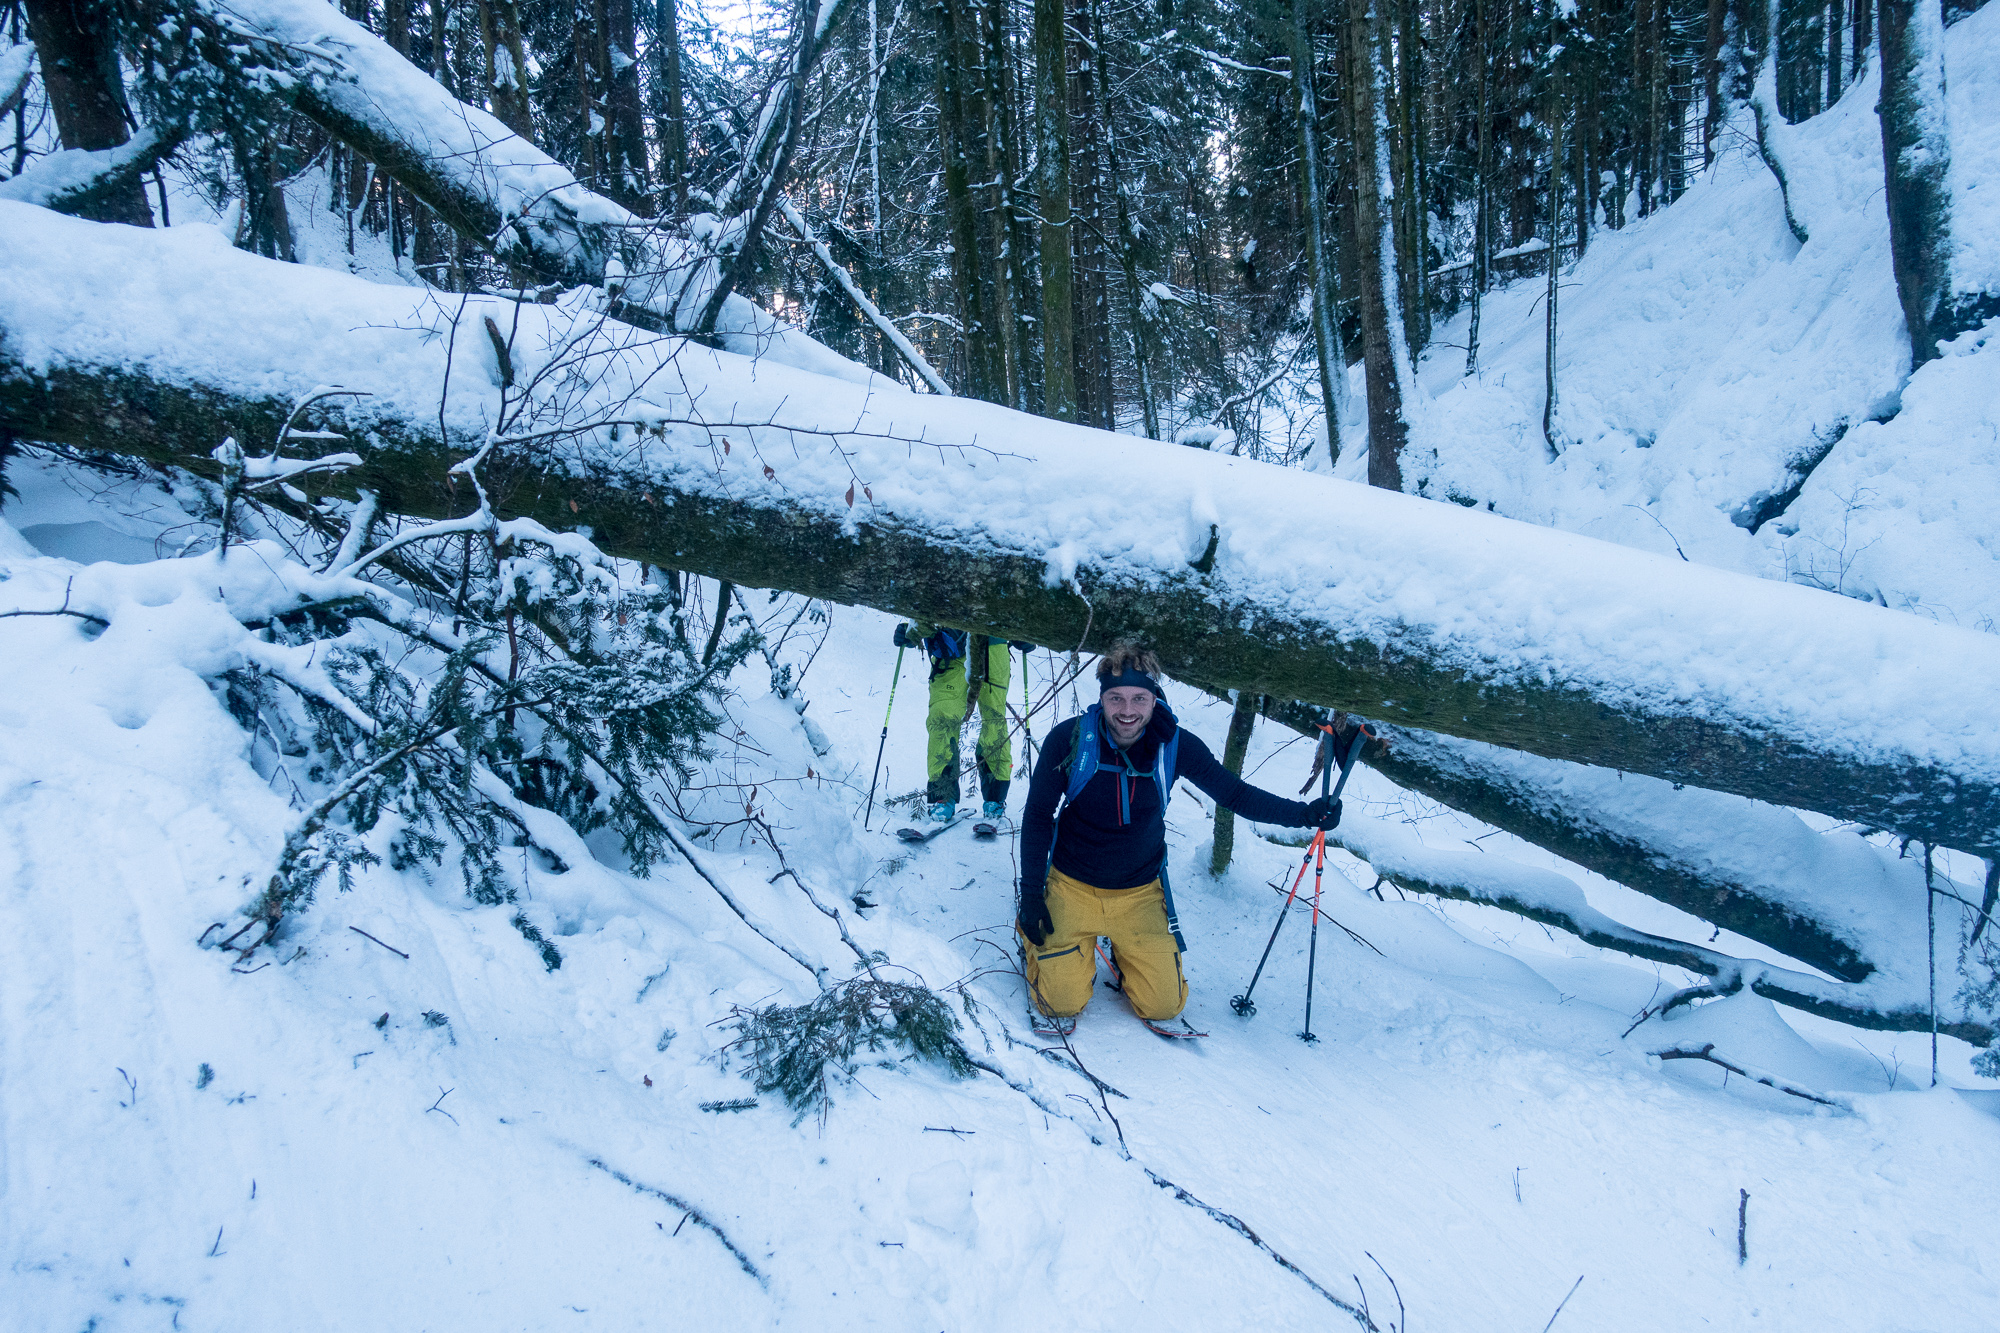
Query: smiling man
[1098,869]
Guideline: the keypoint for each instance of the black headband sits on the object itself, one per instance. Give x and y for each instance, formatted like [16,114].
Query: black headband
[1132,678]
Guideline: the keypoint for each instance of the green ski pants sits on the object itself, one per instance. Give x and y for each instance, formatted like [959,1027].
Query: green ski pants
[950,698]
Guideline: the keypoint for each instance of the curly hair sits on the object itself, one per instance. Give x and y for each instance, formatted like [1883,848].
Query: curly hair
[1127,653]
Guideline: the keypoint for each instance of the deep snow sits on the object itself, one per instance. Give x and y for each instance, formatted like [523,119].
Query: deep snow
[183,1147]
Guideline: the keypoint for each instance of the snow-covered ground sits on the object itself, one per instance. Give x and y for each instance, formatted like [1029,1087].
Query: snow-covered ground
[419,1127]
[351,1138]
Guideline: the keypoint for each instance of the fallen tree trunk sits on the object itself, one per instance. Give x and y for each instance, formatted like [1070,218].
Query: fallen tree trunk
[157,344]
[1749,867]
[1892,1000]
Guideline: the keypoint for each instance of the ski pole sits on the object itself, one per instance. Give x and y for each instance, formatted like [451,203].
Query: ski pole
[882,743]
[1319,873]
[1327,793]
[1243,1004]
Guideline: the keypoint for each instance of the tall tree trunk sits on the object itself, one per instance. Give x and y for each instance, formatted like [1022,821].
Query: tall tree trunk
[1319,252]
[626,132]
[1384,351]
[1834,20]
[1482,221]
[1144,307]
[1096,401]
[506,65]
[672,115]
[1864,34]
[78,50]
[1052,174]
[1550,432]
[1407,142]
[1713,41]
[1003,228]
[1770,123]
[1234,748]
[960,130]
[1916,159]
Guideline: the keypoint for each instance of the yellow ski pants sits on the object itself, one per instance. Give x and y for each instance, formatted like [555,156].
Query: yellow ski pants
[1063,968]
[948,704]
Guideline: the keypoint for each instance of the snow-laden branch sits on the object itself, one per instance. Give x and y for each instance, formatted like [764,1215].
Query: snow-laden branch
[17,66]
[1406,610]
[73,179]
[882,323]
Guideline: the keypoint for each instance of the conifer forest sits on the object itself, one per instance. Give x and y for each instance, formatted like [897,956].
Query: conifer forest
[563,564]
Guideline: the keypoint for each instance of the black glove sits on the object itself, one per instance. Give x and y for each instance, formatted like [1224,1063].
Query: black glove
[1021,645]
[1323,814]
[902,639]
[1036,923]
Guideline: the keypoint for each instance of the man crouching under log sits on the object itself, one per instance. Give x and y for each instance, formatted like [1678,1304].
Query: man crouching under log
[1112,771]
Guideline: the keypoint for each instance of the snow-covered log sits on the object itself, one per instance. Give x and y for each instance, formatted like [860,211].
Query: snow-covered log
[85,182]
[1893,999]
[1414,612]
[1830,900]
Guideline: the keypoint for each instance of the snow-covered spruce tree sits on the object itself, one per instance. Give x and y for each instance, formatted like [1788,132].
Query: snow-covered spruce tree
[547,679]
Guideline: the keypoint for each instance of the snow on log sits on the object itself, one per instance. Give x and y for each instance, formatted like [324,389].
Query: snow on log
[1424,614]
[1893,999]
[1831,900]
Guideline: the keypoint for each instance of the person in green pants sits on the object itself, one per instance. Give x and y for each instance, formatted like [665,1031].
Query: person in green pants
[964,664]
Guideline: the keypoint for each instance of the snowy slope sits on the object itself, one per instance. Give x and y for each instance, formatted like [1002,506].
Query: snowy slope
[1471,1118]
[1707,357]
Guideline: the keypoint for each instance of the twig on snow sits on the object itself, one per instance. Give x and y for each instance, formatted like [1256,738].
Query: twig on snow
[1707,1052]
[438,1105]
[1565,1301]
[390,947]
[1241,1228]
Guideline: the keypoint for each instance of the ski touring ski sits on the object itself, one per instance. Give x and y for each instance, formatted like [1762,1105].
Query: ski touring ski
[919,835]
[1047,1025]
[1182,1033]
[986,830]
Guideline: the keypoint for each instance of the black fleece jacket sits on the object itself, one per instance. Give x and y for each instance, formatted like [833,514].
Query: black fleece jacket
[1091,842]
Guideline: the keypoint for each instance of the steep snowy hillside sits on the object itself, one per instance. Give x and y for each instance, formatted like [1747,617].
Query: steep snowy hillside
[1728,392]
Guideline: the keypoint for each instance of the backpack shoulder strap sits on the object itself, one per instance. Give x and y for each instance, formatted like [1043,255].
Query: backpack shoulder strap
[1083,754]
[1163,767]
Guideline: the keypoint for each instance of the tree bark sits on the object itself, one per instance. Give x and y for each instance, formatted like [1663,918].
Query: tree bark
[626,132]
[1095,400]
[506,65]
[672,117]
[1482,222]
[961,121]
[1319,254]
[1052,174]
[1384,351]
[1916,160]
[1224,623]
[79,59]
[1234,747]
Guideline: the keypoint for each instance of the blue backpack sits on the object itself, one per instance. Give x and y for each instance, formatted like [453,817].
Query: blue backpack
[1086,761]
